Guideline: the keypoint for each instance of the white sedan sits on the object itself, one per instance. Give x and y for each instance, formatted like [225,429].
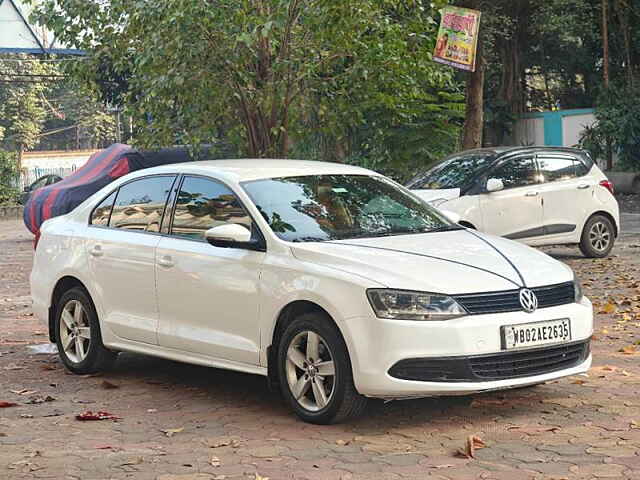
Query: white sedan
[334,281]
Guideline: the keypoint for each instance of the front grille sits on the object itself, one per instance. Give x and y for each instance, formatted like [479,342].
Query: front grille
[529,362]
[495,366]
[509,300]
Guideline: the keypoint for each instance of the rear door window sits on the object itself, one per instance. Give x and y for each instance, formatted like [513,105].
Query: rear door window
[140,204]
[558,168]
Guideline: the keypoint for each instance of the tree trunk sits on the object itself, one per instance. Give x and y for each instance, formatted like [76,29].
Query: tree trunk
[19,159]
[605,58]
[474,117]
[623,13]
[605,41]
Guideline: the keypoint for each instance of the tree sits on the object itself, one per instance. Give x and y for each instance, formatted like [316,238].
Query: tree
[22,110]
[262,73]
[41,107]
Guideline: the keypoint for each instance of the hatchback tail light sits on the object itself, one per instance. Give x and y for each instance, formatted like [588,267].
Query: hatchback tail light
[608,185]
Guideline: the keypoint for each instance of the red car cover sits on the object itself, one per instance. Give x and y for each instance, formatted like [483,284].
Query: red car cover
[102,168]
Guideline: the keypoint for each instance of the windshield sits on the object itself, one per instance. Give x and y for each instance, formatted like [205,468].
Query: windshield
[335,207]
[455,172]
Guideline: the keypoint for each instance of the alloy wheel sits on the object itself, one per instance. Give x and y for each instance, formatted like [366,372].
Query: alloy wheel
[310,371]
[599,236]
[75,332]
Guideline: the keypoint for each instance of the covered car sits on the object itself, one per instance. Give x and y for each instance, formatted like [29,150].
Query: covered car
[102,168]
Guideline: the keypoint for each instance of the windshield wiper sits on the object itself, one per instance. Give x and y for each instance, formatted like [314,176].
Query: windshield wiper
[370,235]
[309,239]
[445,228]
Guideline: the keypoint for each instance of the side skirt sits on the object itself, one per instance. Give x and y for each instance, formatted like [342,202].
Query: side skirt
[185,357]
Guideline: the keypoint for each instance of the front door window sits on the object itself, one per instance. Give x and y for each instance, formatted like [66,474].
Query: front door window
[517,172]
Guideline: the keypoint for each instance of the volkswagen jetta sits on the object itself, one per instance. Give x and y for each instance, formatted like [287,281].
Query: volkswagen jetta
[333,281]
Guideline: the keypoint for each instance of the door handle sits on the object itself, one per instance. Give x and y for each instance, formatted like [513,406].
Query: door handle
[531,194]
[582,186]
[96,251]
[165,261]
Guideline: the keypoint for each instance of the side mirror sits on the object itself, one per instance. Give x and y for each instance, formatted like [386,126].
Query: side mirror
[232,235]
[453,216]
[494,185]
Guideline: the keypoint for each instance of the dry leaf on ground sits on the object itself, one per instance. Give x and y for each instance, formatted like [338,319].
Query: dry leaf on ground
[533,429]
[472,444]
[90,416]
[170,432]
[629,350]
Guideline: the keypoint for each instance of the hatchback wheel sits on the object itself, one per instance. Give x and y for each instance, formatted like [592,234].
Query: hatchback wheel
[598,237]
[78,334]
[315,371]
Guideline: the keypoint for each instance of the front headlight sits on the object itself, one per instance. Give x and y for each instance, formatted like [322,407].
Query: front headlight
[407,305]
[577,289]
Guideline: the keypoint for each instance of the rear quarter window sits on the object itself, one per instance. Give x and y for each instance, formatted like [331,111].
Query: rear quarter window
[101,214]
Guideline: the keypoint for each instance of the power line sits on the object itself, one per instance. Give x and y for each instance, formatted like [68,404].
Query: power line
[48,75]
[38,60]
[26,81]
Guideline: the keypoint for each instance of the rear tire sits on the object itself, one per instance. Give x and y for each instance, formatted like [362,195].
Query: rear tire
[598,237]
[315,373]
[78,334]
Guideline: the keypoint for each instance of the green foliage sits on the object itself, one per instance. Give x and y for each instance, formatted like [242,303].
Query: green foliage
[35,101]
[618,120]
[8,176]
[22,110]
[338,78]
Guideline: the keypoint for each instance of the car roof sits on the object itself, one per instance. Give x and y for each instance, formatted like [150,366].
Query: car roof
[505,149]
[243,170]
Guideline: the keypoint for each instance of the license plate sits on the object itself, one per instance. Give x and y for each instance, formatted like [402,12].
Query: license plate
[533,334]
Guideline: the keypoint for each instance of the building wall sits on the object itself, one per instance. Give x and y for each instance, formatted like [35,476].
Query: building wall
[558,128]
[62,163]
[572,127]
[528,131]
[56,159]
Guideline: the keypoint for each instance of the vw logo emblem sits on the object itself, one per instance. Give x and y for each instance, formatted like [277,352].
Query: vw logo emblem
[528,300]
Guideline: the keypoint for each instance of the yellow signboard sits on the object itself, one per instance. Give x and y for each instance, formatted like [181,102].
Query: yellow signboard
[458,38]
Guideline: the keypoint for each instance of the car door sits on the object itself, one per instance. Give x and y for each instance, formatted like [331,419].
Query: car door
[515,211]
[566,193]
[121,243]
[208,297]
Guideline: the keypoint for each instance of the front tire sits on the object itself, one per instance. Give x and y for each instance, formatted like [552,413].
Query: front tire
[78,334]
[315,373]
[598,237]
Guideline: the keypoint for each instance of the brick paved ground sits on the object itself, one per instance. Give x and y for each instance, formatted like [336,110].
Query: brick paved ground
[228,425]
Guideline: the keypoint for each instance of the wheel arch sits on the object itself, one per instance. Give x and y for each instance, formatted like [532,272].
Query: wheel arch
[64,284]
[287,314]
[606,214]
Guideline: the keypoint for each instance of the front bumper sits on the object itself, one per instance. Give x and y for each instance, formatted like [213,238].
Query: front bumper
[377,345]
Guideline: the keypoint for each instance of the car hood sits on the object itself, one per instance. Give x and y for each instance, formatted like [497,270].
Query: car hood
[452,262]
[440,194]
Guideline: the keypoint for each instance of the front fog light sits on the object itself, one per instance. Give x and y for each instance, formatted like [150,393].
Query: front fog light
[407,305]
